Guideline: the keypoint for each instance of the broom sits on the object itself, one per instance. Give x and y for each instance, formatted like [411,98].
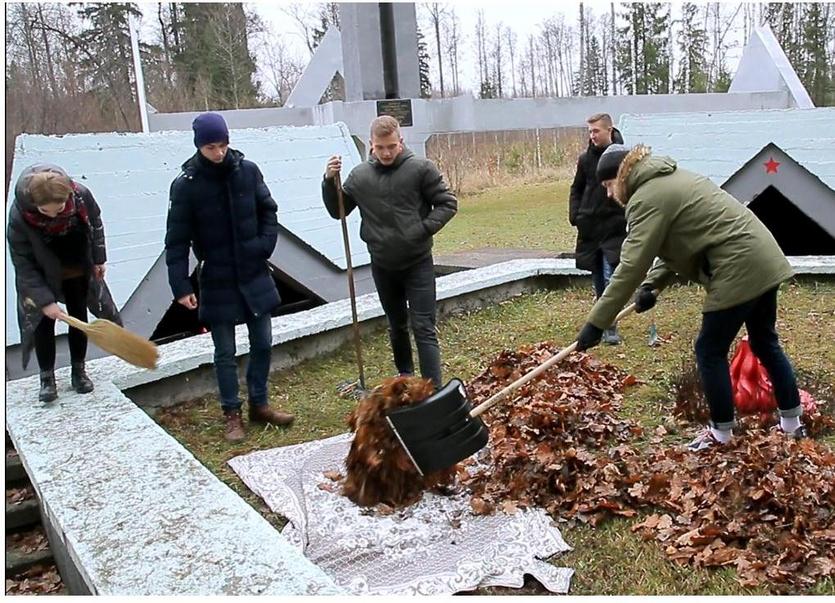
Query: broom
[118,341]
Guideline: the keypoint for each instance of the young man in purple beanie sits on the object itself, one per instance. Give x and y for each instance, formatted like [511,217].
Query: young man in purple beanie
[221,209]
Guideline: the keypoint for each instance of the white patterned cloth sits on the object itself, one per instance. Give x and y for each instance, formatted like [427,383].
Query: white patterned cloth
[434,547]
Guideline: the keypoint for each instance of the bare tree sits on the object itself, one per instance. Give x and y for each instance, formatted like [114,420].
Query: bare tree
[510,41]
[583,39]
[305,17]
[280,69]
[452,35]
[436,14]
[613,40]
[498,74]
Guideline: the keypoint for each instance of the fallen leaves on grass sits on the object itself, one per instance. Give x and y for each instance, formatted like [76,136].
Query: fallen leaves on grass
[764,504]
[547,440]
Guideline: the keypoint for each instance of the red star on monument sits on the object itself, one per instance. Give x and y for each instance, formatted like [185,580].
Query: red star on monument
[771,166]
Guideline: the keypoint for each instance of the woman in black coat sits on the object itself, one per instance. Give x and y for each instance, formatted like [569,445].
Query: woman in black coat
[56,241]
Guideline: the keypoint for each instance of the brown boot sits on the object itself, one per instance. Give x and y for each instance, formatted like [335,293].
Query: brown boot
[264,414]
[234,426]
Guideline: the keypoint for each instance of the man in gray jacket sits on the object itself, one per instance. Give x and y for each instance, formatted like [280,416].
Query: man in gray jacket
[403,201]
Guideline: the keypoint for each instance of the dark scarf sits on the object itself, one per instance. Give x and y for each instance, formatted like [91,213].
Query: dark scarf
[63,222]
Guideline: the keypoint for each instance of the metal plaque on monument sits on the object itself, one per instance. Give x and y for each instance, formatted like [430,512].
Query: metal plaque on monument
[398,108]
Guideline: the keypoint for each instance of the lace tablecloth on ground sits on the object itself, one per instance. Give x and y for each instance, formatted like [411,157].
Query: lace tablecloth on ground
[434,547]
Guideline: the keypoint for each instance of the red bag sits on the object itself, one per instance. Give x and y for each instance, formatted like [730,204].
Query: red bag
[752,389]
[751,386]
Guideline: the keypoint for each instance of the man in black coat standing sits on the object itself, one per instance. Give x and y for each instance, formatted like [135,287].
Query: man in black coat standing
[600,222]
[403,201]
[221,208]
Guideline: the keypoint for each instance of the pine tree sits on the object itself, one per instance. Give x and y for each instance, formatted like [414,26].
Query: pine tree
[815,70]
[643,52]
[596,73]
[692,43]
[214,61]
[107,52]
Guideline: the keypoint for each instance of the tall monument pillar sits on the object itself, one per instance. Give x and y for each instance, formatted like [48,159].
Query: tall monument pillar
[374,70]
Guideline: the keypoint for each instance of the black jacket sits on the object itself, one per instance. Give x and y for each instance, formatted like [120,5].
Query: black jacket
[600,221]
[402,206]
[225,213]
[38,271]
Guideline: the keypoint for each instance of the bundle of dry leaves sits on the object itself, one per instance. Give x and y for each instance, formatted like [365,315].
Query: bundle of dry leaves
[378,468]
[764,504]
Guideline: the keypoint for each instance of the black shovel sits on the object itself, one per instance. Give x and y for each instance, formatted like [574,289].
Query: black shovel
[444,429]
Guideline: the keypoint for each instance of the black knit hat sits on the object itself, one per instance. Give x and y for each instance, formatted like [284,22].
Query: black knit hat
[209,128]
[610,160]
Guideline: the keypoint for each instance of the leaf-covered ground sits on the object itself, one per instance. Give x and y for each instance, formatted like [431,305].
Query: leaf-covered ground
[610,558]
[764,504]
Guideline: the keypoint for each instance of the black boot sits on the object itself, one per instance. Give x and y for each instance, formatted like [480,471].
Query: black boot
[80,381]
[49,391]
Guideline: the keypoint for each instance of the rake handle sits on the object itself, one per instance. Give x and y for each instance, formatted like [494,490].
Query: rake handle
[498,397]
[356,327]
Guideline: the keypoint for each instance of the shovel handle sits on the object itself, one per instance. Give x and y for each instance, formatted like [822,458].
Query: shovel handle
[498,397]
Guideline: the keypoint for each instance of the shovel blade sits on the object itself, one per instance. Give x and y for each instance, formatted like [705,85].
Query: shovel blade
[439,431]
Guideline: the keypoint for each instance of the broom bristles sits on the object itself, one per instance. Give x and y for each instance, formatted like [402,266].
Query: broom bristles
[120,342]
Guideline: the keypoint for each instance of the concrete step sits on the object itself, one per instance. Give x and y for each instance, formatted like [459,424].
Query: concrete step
[17,562]
[23,514]
[15,473]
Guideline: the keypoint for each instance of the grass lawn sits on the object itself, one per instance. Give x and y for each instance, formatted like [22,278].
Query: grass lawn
[609,559]
[532,216]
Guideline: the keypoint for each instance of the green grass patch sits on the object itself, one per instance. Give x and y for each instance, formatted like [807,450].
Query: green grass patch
[530,216]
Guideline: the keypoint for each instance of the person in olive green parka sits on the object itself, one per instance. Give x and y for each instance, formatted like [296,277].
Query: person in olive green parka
[701,232]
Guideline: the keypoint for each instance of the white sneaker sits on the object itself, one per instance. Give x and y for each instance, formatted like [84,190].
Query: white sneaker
[703,441]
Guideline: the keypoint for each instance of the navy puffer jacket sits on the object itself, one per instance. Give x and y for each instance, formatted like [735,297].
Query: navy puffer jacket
[225,213]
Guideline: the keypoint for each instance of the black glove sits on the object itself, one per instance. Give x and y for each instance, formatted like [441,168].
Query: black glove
[589,337]
[645,299]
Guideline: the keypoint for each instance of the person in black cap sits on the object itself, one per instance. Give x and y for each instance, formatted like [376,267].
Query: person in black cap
[702,233]
[601,226]
[221,209]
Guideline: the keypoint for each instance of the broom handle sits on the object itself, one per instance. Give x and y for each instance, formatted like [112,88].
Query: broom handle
[498,397]
[74,322]
[357,344]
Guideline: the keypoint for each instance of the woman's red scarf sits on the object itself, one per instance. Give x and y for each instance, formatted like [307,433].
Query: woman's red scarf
[63,222]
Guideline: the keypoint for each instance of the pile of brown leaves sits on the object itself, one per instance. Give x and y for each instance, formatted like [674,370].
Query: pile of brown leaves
[549,443]
[378,468]
[764,504]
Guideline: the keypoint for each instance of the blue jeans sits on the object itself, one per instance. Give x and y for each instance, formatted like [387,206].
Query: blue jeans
[718,331]
[258,368]
[600,277]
